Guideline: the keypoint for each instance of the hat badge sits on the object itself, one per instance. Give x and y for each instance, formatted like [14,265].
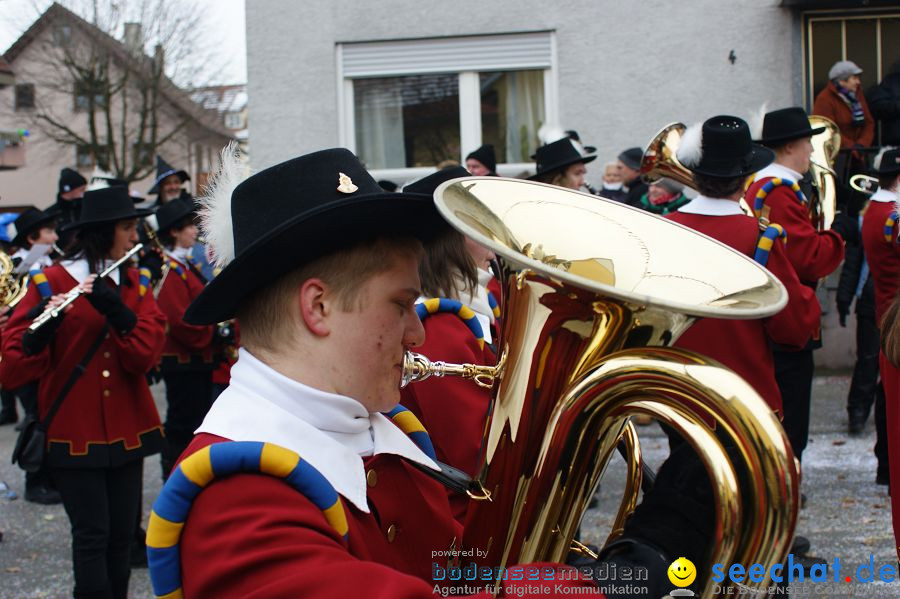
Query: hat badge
[345,184]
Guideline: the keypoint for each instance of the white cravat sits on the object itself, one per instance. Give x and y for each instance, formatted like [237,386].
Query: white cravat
[79,269]
[329,431]
[884,195]
[712,207]
[778,170]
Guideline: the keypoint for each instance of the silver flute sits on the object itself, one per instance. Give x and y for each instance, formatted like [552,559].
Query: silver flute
[74,293]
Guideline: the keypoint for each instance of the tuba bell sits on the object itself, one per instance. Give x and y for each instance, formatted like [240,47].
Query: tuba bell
[826,146]
[660,160]
[594,295]
[12,285]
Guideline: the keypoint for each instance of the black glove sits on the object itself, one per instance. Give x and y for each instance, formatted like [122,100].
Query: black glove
[152,261]
[843,309]
[33,342]
[846,228]
[107,302]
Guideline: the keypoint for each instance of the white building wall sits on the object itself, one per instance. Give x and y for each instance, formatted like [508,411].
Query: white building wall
[625,69]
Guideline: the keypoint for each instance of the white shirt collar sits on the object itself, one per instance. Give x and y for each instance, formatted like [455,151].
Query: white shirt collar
[329,431]
[778,170]
[712,207]
[180,254]
[79,269]
[884,195]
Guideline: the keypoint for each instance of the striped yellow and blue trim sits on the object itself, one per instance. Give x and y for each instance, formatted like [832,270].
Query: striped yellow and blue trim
[766,241]
[143,280]
[37,278]
[436,305]
[767,188]
[889,228]
[492,302]
[217,461]
[407,422]
[178,269]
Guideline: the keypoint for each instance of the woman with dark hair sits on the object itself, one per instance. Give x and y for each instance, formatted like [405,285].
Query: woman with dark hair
[561,163]
[187,359]
[92,362]
[458,318]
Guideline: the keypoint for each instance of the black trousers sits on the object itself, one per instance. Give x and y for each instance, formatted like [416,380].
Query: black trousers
[794,374]
[881,446]
[189,397]
[864,383]
[7,403]
[102,505]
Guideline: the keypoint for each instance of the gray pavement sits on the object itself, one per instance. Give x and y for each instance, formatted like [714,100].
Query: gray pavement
[847,515]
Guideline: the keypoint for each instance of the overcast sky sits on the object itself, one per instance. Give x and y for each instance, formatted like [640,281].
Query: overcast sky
[225,15]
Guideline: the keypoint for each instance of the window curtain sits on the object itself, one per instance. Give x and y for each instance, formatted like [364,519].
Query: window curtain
[521,99]
[379,122]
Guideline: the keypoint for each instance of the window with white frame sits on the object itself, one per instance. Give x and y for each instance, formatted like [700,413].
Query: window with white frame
[416,103]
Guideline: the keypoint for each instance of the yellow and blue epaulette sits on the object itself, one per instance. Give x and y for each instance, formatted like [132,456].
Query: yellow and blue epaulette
[37,278]
[144,280]
[492,302]
[889,228]
[766,241]
[178,269]
[760,199]
[437,305]
[219,460]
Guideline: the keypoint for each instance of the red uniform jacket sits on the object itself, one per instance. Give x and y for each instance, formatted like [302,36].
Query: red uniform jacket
[882,255]
[829,103]
[187,345]
[745,345]
[452,410]
[108,417]
[814,254]
[253,536]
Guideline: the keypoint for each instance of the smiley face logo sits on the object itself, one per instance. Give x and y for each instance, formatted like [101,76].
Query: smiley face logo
[682,572]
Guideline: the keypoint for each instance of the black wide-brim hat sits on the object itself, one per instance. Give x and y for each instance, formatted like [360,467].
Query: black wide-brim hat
[890,163]
[30,220]
[106,205]
[556,155]
[300,210]
[164,170]
[787,124]
[172,212]
[425,186]
[727,150]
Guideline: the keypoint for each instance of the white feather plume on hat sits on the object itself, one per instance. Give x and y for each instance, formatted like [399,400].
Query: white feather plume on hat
[550,133]
[876,163]
[757,120]
[99,179]
[215,205]
[690,150]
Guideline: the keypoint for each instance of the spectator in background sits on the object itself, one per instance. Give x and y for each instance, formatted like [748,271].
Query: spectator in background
[613,188]
[664,196]
[843,102]
[482,162]
[884,100]
[629,163]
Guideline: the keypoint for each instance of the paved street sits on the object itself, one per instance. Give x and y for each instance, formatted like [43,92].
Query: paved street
[847,515]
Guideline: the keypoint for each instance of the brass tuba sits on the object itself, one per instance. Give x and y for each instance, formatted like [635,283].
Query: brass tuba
[826,146]
[660,160]
[12,285]
[594,294]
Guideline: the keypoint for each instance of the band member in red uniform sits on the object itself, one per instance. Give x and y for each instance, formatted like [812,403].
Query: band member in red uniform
[322,274]
[745,346]
[882,247]
[814,254]
[458,323]
[187,359]
[107,422]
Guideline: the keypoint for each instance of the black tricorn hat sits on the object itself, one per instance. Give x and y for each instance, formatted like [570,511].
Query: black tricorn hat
[556,155]
[726,149]
[171,213]
[292,213]
[787,124]
[70,179]
[426,185]
[485,155]
[28,221]
[163,170]
[106,205]
[890,163]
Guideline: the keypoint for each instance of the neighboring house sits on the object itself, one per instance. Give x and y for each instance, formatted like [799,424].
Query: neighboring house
[230,102]
[12,148]
[195,135]
[407,85]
